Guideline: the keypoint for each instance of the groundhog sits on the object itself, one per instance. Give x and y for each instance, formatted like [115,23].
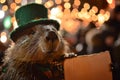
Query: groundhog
[37,55]
[38,50]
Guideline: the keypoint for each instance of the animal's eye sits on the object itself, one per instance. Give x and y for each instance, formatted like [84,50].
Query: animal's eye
[47,29]
[32,32]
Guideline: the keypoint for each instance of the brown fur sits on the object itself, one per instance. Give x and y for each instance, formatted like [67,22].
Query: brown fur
[38,47]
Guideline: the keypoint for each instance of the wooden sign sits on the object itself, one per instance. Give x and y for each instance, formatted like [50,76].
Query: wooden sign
[88,67]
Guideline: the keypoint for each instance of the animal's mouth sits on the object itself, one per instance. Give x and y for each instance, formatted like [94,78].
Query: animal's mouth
[52,48]
[50,51]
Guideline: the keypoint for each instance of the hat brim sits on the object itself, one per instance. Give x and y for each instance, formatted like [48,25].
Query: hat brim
[21,28]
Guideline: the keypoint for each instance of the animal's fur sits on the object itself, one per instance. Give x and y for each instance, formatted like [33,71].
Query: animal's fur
[37,48]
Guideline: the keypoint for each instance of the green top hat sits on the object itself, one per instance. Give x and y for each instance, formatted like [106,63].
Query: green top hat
[30,15]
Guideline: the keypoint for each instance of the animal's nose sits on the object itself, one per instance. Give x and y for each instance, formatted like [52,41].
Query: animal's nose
[51,36]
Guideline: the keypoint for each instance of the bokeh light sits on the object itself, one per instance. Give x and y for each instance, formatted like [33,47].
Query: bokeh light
[4,7]
[2,14]
[3,37]
[2,1]
[13,6]
[67,5]
[7,22]
[18,1]
[58,1]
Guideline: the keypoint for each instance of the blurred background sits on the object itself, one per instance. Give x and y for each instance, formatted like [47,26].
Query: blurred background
[89,26]
[77,18]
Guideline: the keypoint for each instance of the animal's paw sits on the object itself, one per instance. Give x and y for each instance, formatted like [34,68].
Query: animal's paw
[70,55]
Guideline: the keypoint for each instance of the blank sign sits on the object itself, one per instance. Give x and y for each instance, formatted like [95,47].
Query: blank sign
[88,67]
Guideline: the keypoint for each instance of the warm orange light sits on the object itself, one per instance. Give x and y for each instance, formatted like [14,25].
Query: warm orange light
[38,1]
[58,1]
[80,15]
[66,0]
[110,1]
[66,11]
[107,15]
[85,23]
[83,10]
[77,2]
[101,19]
[12,19]
[102,11]
[98,25]
[17,7]
[95,9]
[55,11]
[3,37]
[91,12]
[60,7]
[4,7]
[94,17]
[49,4]
[71,26]
[86,5]
[67,5]
[13,6]
[74,13]
[15,25]
[112,5]
[2,1]
[87,16]
[17,1]
[3,33]
[60,15]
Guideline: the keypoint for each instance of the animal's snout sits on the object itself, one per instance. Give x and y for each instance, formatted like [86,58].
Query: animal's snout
[51,36]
